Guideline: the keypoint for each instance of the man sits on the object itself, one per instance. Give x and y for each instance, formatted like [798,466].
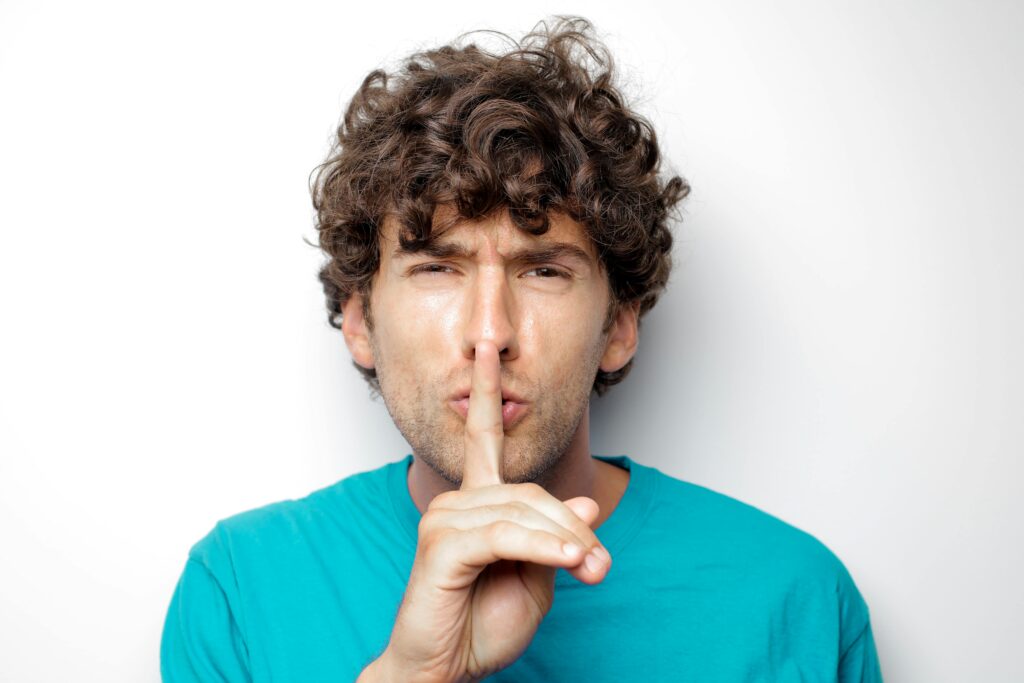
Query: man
[496,227]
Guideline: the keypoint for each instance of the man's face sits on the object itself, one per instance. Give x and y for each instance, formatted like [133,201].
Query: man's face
[542,300]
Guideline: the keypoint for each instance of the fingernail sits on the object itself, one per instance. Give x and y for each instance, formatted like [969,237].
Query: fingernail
[593,564]
[602,554]
[571,549]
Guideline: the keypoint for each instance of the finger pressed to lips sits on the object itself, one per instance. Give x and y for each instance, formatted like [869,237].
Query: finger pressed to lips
[484,425]
[482,485]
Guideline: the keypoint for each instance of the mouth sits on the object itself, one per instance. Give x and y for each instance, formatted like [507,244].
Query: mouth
[506,395]
[513,408]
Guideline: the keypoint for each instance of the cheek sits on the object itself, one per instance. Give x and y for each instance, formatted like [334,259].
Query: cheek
[565,341]
[443,320]
[413,332]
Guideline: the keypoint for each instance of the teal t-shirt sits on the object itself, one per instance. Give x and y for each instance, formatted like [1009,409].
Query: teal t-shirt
[703,588]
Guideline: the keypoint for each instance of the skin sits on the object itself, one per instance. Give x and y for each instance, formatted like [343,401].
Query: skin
[548,328]
[483,576]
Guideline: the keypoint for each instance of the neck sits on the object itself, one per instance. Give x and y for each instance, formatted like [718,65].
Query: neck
[576,474]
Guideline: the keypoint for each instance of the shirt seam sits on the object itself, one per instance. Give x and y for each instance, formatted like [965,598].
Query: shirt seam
[860,635]
[232,609]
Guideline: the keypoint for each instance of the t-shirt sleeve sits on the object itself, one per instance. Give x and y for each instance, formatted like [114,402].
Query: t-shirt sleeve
[202,640]
[859,663]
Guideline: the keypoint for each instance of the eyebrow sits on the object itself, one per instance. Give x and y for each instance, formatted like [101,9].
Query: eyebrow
[529,255]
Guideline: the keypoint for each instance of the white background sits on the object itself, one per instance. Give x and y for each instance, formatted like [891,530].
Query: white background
[840,344]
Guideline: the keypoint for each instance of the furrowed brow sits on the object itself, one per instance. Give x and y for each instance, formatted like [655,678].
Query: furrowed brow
[550,252]
[526,255]
[433,250]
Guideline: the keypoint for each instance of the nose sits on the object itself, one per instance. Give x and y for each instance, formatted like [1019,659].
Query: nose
[490,315]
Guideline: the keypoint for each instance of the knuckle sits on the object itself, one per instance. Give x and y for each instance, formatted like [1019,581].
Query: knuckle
[442,499]
[435,544]
[516,510]
[426,529]
[480,434]
[499,529]
[433,526]
[532,491]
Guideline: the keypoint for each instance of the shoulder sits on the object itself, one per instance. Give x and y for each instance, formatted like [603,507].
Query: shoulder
[272,529]
[750,537]
[776,566]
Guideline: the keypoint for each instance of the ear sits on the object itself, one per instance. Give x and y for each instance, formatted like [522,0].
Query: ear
[356,331]
[622,338]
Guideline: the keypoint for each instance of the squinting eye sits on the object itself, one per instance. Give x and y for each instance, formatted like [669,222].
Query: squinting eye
[551,272]
[431,268]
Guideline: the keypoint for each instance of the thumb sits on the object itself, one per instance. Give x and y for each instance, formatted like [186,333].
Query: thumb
[585,508]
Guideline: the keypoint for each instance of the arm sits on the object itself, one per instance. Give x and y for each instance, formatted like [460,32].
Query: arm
[201,638]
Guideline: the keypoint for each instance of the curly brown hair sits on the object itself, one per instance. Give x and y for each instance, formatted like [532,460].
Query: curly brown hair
[538,128]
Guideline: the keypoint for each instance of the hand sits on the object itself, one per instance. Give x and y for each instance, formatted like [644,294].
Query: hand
[483,577]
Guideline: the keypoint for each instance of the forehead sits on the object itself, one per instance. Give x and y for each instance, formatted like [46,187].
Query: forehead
[498,230]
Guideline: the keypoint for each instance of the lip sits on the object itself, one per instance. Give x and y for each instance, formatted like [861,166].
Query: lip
[512,412]
[506,395]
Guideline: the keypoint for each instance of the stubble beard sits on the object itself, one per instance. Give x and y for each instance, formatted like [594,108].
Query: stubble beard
[532,448]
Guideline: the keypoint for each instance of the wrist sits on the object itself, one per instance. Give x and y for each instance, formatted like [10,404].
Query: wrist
[385,669]
[376,672]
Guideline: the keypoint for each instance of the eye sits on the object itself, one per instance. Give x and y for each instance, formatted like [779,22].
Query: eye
[431,268]
[549,272]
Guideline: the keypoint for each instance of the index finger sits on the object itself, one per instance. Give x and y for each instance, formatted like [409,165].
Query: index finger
[485,431]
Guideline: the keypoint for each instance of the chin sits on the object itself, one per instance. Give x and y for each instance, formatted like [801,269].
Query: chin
[520,468]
